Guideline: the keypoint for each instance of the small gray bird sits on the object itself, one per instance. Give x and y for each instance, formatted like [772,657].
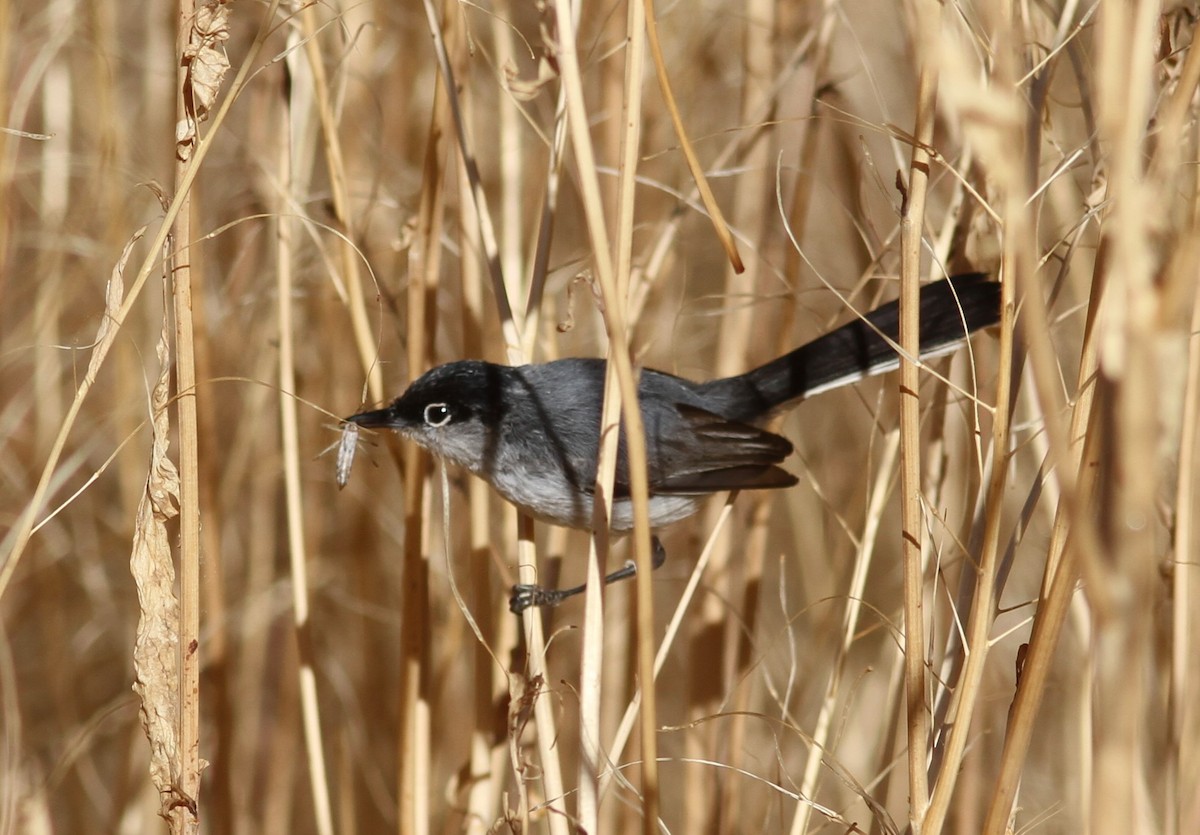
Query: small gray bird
[533,431]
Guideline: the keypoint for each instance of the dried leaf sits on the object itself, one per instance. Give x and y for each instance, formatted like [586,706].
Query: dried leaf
[212,22]
[185,138]
[527,89]
[206,67]
[114,294]
[206,71]
[206,64]
[156,647]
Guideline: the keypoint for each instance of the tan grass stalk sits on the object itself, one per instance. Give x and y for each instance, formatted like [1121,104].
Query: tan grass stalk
[912,237]
[823,727]
[593,759]
[487,758]
[1018,271]
[1058,587]
[1182,780]
[624,145]
[982,612]
[661,250]
[7,33]
[10,724]
[1123,575]
[1016,266]
[513,163]
[1183,678]
[424,262]
[617,747]
[285,246]
[751,203]
[363,337]
[185,816]
[615,324]
[541,255]
[504,289]
[710,202]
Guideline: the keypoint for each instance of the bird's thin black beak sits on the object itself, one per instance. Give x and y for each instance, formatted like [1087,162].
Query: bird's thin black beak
[375,419]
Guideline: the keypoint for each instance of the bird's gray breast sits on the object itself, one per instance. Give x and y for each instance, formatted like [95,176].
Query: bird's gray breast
[545,455]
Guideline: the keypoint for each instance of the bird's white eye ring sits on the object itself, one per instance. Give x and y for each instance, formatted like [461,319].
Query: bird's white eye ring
[437,414]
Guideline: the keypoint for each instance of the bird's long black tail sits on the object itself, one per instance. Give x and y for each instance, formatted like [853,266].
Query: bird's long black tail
[950,311]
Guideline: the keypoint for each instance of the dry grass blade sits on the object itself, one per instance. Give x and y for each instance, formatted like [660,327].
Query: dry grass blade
[364,339]
[614,313]
[289,115]
[710,202]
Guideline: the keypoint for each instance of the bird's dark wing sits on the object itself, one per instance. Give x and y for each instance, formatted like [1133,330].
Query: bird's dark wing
[696,452]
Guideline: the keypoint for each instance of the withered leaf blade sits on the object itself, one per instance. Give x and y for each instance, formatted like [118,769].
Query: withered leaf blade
[156,646]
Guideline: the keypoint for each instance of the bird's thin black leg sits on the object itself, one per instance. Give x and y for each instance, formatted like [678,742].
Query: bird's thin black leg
[525,595]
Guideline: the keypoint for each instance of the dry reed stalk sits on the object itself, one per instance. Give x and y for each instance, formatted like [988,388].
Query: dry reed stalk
[1183,624]
[912,219]
[822,727]
[196,78]
[487,750]
[979,625]
[614,310]
[627,150]
[735,350]
[797,216]
[7,155]
[336,167]
[594,759]
[1132,393]
[506,289]
[291,117]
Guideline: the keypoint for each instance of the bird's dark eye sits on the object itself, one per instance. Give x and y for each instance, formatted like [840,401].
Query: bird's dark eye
[437,414]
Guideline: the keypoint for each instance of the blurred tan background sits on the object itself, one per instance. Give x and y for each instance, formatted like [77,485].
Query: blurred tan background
[1064,150]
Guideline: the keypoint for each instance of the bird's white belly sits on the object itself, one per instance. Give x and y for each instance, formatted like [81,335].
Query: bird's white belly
[552,499]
